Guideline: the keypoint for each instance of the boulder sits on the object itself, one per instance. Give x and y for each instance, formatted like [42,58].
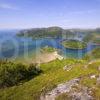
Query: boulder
[93,76]
[67,68]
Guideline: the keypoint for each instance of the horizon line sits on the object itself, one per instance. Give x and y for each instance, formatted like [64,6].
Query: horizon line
[87,28]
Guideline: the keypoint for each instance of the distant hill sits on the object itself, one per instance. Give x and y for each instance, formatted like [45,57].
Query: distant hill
[87,35]
[50,32]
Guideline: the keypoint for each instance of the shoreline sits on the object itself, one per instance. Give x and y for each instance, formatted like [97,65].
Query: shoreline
[41,58]
[48,57]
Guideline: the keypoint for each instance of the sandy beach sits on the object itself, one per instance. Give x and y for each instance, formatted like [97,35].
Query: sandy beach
[47,57]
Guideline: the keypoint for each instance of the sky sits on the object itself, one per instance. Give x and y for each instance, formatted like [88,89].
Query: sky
[19,14]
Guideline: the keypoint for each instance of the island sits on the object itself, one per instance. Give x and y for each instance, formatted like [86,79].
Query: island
[74,44]
[50,32]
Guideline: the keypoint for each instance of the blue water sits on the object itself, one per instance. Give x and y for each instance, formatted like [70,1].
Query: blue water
[12,46]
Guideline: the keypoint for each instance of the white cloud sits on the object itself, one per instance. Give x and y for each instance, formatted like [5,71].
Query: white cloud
[8,6]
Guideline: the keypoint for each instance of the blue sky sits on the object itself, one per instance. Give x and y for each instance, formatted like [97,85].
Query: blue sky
[45,13]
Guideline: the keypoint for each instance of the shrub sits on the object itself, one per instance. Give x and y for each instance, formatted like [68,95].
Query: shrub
[11,73]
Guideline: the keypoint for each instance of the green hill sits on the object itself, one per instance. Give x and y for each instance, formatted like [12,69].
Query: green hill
[94,54]
[51,32]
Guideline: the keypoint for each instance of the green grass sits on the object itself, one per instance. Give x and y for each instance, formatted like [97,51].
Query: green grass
[63,96]
[48,49]
[94,54]
[97,41]
[53,74]
[92,83]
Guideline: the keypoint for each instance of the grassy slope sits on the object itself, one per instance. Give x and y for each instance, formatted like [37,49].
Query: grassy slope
[97,38]
[94,54]
[48,49]
[92,37]
[52,75]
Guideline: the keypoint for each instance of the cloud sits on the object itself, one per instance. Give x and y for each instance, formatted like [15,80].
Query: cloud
[8,6]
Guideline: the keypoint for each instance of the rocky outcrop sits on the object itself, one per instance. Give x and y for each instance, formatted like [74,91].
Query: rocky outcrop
[67,87]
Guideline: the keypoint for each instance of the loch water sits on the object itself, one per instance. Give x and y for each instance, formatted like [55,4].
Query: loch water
[12,46]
